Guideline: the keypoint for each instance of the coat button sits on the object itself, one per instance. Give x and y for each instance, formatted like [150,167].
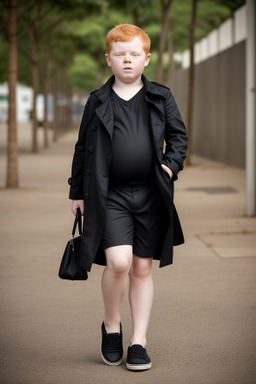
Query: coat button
[91,149]
[87,196]
[88,172]
[69,181]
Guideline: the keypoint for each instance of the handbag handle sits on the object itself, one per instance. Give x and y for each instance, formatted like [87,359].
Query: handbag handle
[78,220]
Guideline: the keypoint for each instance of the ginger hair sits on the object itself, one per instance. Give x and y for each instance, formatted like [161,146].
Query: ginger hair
[127,32]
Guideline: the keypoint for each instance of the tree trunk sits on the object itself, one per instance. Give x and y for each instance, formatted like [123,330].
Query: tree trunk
[46,92]
[191,76]
[170,76]
[55,106]
[136,18]
[100,76]
[69,108]
[165,7]
[69,105]
[35,83]
[64,103]
[12,179]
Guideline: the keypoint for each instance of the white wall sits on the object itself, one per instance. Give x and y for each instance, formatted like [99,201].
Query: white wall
[3,102]
[240,25]
[24,98]
[232,31]
[24,101]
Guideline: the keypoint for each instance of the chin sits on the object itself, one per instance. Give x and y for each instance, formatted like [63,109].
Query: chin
[127,78]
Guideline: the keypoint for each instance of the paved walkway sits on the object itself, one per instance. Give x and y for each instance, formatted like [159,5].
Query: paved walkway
[203,325]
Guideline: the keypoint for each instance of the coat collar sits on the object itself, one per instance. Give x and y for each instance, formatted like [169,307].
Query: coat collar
[104,92]
[152,90]
[154,94]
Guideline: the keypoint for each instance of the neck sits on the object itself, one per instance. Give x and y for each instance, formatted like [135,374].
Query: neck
[127,90]
[118,84]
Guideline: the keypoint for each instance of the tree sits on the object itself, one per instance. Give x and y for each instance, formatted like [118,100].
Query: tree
[165,8]
[88,68]
[35,17]
[10,30]
[171,67]
[40,18]
[139,11]
[191,78]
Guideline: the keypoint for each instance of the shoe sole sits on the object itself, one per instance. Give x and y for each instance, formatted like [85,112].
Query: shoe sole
[111,362]
[138,367]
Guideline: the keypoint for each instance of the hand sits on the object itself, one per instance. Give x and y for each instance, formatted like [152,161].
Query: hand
[77,204]
[167,170]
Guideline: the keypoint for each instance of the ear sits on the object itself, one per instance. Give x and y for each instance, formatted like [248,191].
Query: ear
[108,59]
[147,59]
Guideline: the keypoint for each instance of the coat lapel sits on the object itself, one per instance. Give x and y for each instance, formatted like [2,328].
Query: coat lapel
[105,114]
[105,111]
[157,115]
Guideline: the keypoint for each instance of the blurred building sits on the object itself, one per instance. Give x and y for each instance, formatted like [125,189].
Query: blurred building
[24,100]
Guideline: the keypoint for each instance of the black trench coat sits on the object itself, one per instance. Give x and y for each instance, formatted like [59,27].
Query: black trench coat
[92,157]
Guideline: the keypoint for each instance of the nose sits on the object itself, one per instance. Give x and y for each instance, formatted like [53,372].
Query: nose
[127,58]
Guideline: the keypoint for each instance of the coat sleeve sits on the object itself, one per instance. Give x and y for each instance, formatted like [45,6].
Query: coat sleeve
[77,170]
[175,137]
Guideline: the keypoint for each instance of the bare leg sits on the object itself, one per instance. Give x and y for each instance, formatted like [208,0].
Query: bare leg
[114,284]
[141,297]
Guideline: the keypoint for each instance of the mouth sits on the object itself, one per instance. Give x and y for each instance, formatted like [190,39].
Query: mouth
[128,68]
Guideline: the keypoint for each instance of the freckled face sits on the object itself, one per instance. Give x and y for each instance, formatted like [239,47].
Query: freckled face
[127,60]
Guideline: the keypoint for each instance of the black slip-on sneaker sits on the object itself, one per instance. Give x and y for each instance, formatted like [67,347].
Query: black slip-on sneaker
[137,358]
[112,346]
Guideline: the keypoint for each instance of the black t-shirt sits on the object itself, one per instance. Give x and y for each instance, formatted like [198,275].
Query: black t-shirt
[132,159]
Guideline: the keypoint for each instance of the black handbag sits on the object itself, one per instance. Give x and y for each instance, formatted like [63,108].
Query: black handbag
[69,268]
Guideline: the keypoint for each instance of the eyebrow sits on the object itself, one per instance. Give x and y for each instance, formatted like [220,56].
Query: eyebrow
[118,52]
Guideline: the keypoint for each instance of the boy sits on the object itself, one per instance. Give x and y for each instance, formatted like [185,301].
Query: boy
[123,184]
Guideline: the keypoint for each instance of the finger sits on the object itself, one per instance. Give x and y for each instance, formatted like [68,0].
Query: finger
[167,170]
[81,209]
[73,209]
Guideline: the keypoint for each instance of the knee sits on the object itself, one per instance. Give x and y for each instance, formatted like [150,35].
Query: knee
[120,267]
[142,269]
[119,260]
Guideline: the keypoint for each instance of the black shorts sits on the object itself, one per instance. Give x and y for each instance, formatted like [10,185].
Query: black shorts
[134,216]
